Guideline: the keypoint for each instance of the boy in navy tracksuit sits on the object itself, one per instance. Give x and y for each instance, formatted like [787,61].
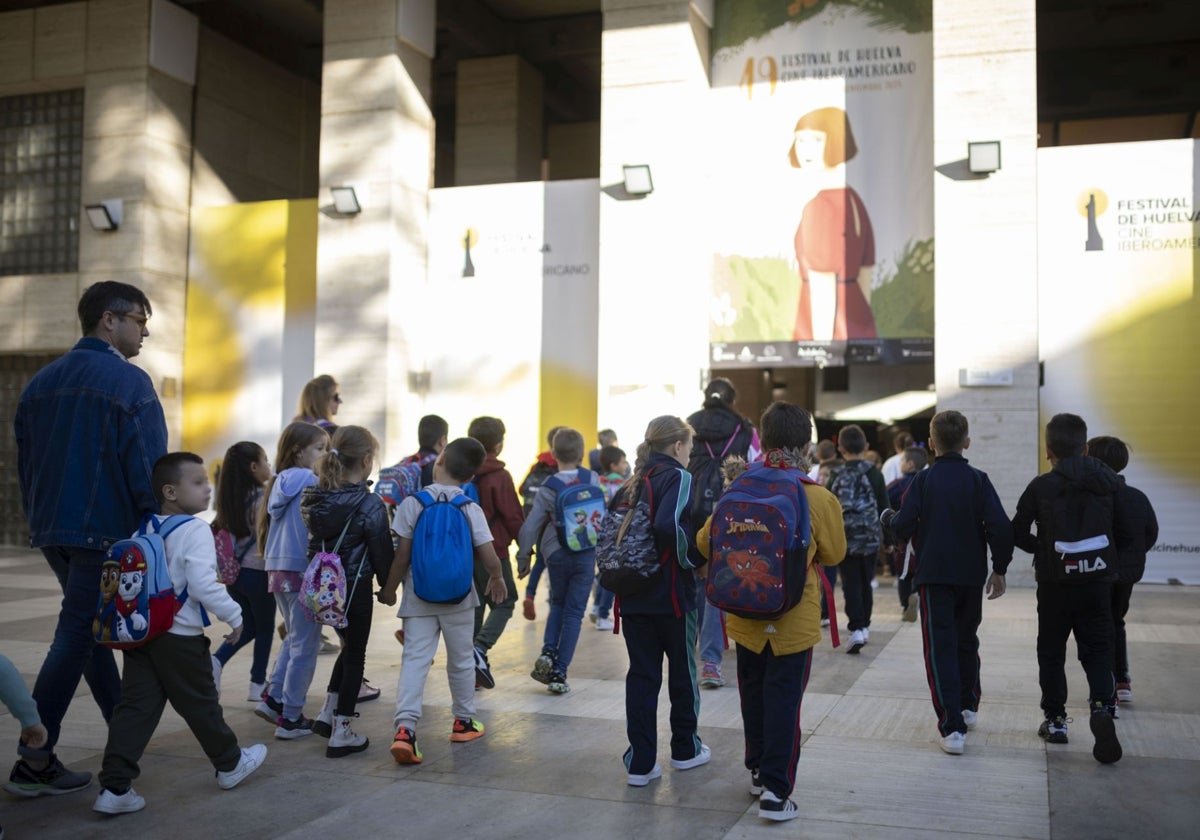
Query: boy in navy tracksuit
[956,516]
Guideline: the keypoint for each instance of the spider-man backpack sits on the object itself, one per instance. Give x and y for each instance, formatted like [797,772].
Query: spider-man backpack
[759,539]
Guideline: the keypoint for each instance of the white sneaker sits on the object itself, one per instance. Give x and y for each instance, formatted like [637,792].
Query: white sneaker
[126,803]
[771,807]
[255,692]
[604,624]
[697,760]
[643,779]
[593,614]
[969,718]
[857,640]
[217,668]
[866,631]
[252,759]
[953,743]
[343,740]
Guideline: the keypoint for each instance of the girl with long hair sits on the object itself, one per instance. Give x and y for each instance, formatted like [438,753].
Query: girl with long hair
[662,620]
[341,510]
[244,472]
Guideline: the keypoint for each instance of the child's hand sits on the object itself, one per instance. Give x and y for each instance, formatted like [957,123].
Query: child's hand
[495,590]
[35,736]
[387,597]
[234,635]
[995,586]
[522,567]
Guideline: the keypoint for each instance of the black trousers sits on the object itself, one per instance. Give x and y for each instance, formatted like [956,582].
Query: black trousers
[647,639]
[950,617]
[1121,593]
[857,571]
[174,668]
[346,677]
[771,689]
[1085,610]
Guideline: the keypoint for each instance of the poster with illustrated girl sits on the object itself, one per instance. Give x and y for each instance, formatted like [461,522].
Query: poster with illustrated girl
[822,122]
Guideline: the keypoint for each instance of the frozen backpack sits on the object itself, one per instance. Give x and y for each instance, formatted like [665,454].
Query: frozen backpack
[759,539]
[137,599]
[579,509]
[443,556]
[323,595]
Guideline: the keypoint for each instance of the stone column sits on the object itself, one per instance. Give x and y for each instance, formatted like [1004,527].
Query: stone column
[377,136]
[498,121]
[985,88]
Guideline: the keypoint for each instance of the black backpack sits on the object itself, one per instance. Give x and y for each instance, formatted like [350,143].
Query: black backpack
[1075,529]
[708,480]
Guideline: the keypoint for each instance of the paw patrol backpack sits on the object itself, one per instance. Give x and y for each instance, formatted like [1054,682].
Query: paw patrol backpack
[137,599]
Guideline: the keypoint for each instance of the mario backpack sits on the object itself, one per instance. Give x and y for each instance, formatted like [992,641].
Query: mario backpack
[137,599]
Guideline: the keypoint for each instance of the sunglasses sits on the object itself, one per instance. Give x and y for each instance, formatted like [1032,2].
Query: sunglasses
[337,398]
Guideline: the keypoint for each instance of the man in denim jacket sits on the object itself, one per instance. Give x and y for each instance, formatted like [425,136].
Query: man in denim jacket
[89,428]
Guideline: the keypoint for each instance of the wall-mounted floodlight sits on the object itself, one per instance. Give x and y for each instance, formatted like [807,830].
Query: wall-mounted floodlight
[105,216]
[638,180]
[345,201]
[983,158]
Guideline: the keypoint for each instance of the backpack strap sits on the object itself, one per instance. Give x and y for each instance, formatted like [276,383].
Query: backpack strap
[171,523]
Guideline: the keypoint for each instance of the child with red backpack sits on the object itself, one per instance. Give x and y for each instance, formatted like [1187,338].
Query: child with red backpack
[175,666]
[774,653]
[563,522]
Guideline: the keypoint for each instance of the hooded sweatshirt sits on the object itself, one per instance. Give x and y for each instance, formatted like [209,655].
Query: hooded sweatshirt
[287,538]
[1085,473]
[501,506]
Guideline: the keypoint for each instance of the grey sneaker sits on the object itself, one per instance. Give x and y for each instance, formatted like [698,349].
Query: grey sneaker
[53,780]
[123,803]
[252,759]
[543,669]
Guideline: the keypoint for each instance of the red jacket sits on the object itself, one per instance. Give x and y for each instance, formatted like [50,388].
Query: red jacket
[501,506]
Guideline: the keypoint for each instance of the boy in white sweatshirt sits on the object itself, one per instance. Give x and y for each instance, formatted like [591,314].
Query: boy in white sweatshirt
[177,666]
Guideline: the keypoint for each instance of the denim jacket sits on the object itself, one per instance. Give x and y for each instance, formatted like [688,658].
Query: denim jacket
[89,428]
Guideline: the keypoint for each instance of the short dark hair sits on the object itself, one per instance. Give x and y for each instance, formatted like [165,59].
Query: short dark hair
[462,458]
[606,437]
[430,430]
[1109,450]
[720,393]
[949,430]
[826,450]
[169,469]
[487,430]
[567,445]
[108,296]
[1066,435]
[902,441]
[852,439]
[785,426]
[916,456]
[550,435]
[610,456]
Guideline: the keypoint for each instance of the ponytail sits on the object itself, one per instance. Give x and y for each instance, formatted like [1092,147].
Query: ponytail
[351,444]
[661,434]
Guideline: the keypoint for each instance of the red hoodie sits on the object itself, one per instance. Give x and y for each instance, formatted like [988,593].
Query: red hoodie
[498,498]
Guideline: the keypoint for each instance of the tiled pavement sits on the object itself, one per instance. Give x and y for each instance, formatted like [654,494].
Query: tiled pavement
[550,766]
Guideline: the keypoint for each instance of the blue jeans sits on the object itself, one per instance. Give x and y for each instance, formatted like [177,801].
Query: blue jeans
[74,653]
[535,576]
[771,689]
[602,600]
[297,660]
[712,626]
[258,621]
[570,582]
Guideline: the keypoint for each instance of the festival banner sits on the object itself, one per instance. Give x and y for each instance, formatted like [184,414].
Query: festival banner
[1118,315]
[822,133]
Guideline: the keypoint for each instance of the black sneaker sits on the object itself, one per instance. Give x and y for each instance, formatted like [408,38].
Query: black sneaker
[771,807]
[483,671]
[1054,730]
[1107,749]
[269,709]
[290,730]
[53,780]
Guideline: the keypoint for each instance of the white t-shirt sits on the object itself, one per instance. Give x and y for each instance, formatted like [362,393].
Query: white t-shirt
[891,468]
[405,522]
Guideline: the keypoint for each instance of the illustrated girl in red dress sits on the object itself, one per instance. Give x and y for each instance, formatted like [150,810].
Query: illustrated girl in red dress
[835,245]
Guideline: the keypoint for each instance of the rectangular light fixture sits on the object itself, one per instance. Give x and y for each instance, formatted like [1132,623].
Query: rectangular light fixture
[345,201]
[105,216]
[638,180]
[983,158]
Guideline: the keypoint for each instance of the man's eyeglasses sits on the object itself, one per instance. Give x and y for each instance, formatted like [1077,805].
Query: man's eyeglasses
[140,320]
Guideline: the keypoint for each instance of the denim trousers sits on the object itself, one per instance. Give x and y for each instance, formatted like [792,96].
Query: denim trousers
[258,622]
[297,660]
[712,626]
[570,583]
[602,600]
[74,653]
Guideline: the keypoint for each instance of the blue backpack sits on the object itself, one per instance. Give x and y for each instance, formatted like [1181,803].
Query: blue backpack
[443,556]
[579,508]
[137,599]
[759,541]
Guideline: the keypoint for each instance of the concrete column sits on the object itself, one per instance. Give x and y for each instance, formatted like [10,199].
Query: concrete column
[377,136]
[985,88]
[654,78]
[498,121]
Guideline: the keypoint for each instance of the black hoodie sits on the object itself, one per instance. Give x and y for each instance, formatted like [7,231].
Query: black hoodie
[368,536]
[1085,473]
